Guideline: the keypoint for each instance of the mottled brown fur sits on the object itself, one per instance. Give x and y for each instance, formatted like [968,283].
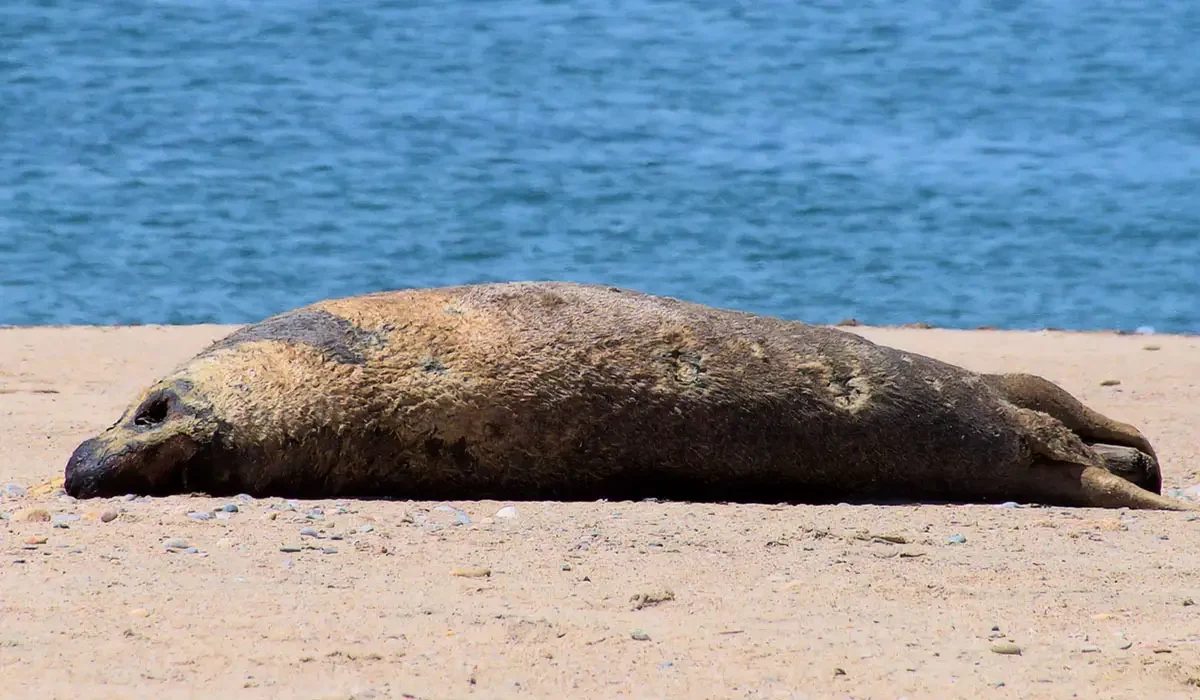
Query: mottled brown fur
[566,391]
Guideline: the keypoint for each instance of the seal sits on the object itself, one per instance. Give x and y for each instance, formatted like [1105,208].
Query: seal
[556,390]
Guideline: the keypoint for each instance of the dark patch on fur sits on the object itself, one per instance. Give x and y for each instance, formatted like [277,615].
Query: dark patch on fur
[433,365]
[339,339]
[687,366]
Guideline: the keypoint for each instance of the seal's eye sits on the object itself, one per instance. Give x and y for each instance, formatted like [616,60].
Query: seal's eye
[153,412]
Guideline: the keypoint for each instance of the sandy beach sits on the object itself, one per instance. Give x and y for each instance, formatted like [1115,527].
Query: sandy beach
[185,597]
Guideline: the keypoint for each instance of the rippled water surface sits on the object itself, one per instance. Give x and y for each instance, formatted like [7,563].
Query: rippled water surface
[1017,164]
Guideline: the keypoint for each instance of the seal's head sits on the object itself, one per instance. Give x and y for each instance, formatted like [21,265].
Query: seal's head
[164,443]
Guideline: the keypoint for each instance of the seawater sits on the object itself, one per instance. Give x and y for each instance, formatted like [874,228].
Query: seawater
[1014,164]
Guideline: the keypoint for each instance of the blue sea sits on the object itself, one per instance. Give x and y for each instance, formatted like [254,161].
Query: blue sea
[1013,164]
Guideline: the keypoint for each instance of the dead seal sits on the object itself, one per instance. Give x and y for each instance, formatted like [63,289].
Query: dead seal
[546,390]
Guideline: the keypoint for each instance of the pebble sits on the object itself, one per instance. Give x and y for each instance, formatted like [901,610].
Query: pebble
[1009,504]
[1006,648]
[1089,649]
[62,526]
[35,540]
[364,529]
[472,573]
[329,550]
[309,532]
[65,517]
[1111,382]
[229,508]
[108,516]
[1124,644]
[199,515]
[224,543]
[956,539]
[245,498]
[31,515]
[66,499]
[15,491]
[507,512]
[176,543]
[290,549]
[639,635]
[139,612]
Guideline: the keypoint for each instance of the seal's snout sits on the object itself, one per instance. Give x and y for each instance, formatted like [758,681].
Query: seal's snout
[84,470]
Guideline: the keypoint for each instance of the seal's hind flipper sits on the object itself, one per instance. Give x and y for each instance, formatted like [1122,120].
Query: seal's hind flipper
[1066,471]
[1038,394]
[1100,488]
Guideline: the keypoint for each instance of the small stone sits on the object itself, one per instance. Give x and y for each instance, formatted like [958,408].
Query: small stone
[139,612]
[566,567]
[108,516]
[191,550]
[838,671]
[198,515]
[65,517]
[1111,382]
[224,543]
[507,513]
[1151,348]
[956,539]
[66,499]
[15,491]
[1124,644]
[1161,650]
[479,572]
[1009,504]
[35,540]
[1007,648]
[329,550]
[229,508]
[31,515]
[1089,649]
[639,635]
[176,543]
[290,549]
[309,532]
[61,526]
[1188,602]
[364,529]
